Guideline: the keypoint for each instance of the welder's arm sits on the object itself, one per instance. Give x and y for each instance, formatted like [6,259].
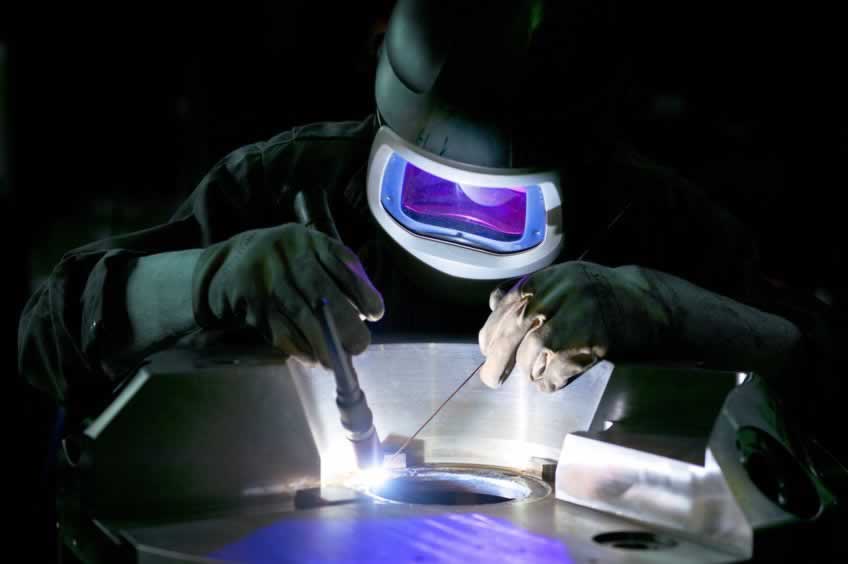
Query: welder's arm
[81,332]
[158,300]
[555,323]
[270,279]
[72,333]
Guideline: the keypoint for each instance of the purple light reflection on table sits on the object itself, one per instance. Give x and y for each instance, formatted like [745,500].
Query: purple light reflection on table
[446,538]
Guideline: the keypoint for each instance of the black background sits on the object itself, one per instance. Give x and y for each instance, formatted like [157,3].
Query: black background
[113,113]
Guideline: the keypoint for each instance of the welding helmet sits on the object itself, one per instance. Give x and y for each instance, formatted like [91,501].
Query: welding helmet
[475,100]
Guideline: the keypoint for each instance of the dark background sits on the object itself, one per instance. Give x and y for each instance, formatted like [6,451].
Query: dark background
[111,114]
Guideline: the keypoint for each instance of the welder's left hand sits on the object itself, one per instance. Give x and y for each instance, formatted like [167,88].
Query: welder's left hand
[554,324]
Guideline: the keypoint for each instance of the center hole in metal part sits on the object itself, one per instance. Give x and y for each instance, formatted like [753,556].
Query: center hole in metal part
[458,487]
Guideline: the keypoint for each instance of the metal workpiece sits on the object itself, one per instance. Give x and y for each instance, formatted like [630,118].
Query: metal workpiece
[646,456]
[660,492]
[664,449]
[191,434]
[627,464]
[545,531]
[408,381]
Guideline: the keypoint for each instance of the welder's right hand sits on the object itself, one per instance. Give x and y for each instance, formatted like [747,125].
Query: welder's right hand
[272,278]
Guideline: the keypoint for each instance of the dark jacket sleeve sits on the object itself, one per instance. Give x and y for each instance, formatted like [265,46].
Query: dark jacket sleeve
[673,226]
[62,327]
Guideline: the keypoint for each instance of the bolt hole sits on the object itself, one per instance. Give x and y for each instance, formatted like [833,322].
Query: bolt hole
[631,545]
[635,540]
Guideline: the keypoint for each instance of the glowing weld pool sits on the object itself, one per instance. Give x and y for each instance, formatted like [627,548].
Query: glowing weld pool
[457,485]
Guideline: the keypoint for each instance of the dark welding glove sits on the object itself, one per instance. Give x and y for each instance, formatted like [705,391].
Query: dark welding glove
[554,324]
[271,279]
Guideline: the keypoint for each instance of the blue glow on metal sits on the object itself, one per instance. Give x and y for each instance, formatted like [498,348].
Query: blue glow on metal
[465,538]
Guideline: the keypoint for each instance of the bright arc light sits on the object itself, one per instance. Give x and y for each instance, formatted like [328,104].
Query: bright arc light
[372,478]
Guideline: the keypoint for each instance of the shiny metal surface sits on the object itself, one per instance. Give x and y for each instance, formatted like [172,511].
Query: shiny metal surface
[658,491]
[751,405]
[546,531]
[420,428]
[626,478]
[191,436]
[646,456]
[671,410]
[407,382]
[663,449]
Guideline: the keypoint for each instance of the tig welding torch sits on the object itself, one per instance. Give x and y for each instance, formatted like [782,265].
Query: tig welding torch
[356,417]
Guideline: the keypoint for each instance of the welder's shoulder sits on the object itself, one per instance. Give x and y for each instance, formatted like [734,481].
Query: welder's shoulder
[663,192]
[313,153]
[326,132]
[297,145]
[323,154]
[320,153]
[674,225]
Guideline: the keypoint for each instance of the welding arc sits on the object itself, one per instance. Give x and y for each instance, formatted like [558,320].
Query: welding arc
[444,403]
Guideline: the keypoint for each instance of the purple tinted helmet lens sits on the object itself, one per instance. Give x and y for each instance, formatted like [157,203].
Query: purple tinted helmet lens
[502,220]
[496,213]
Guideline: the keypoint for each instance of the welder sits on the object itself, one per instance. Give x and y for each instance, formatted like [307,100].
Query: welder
[489,195]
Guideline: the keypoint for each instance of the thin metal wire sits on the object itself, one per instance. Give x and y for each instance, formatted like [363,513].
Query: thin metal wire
[444,403]
[610,225]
